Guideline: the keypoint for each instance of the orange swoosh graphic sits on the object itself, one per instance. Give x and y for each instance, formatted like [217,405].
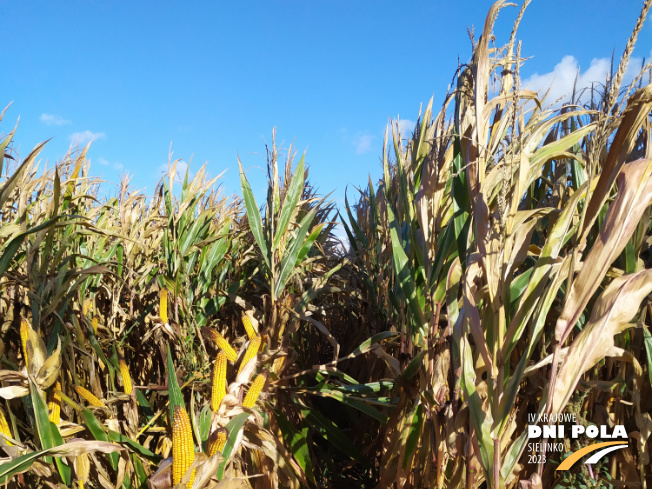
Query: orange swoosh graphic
[570,461]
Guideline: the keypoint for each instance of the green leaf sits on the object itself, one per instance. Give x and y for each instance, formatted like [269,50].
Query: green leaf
[174,391]
[204,423]
[64,470]
[331,432]
[307,244]
[289,203]
[140,470]
[414,434]
[359,403]
[461,203]
[369,343]
[479,417]
[513,455]
[648,350]
[18,465]
[144,405]
[42,420]
[361,239]
[413,367]
[136,447]
[405,274]
[233,427]
[290,258]
[97,430]
[253,215]
[298,443]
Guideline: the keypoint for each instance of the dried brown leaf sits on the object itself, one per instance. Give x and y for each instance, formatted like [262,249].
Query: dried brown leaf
[611,314]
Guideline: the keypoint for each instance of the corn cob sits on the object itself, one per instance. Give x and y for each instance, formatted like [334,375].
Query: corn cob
[163,305]
[252,351]
[126,377]
[254,391]
[54,404]
[94,324]
[216,441]
[4,427]
[219,381]
[249,328]
[278,364]
[222,343]
[89,396]
[24,332]
[82,469]
[183,448]
[87,306]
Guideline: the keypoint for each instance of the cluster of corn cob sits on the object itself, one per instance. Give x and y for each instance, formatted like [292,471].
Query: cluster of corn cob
[228,353]
[217,439]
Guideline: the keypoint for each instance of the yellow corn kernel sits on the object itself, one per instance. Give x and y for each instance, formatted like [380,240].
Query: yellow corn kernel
[54,404]
[94,324]
[252,351]
[126,377]
[219,381]
[216,441]
[254,391]
[222,343]
[183,447]
[89,396]
[4,427]
[249,328]
[163,305]
[24,332]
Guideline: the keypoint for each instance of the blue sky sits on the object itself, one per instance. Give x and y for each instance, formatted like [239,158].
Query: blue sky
[213,79]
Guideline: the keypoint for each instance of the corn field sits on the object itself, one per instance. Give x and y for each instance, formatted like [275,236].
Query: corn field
[500,268]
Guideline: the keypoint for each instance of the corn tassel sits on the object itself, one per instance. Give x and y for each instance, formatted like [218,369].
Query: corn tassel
[24,332]
[163,305]
[4,427]
[54,404]
[94,324]
[219,381]
[89,396]
[222,343]
[183,448]
[254,391]
[252,351]
[216,441]
[126,377]
[249,328]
